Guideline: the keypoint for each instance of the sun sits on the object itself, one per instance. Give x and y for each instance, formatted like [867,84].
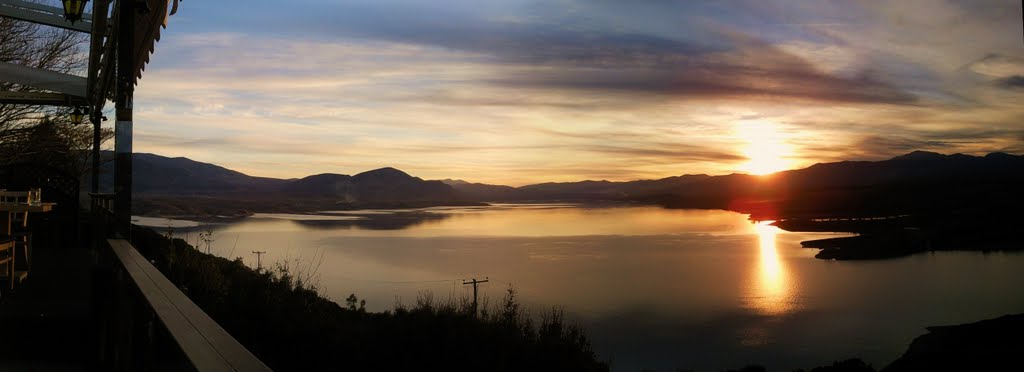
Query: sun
[765,146]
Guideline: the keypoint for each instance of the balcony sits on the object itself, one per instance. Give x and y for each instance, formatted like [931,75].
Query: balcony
[93,302]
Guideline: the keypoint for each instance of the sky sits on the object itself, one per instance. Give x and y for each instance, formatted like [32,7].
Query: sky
[526,91]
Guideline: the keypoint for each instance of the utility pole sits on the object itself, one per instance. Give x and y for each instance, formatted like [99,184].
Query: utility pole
[259,259]
[475,282]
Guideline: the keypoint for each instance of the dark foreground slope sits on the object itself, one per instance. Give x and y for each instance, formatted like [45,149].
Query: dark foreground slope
[988,345]
[290,327]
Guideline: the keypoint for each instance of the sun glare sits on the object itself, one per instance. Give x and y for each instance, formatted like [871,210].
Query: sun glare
[765,146]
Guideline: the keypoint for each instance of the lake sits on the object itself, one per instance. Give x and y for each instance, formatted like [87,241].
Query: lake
[654,288]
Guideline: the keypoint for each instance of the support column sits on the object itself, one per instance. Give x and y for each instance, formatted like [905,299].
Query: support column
[123,125]
[96,119]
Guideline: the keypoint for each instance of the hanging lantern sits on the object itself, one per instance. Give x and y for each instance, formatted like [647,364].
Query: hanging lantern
[77,116]
[73,9]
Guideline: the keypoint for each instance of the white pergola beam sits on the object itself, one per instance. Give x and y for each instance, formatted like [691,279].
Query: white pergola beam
[71,85]
[43,14]
[38,98]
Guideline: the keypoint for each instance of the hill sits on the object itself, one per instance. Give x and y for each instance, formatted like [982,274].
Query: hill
[379,186]
[184,187]
[154,174]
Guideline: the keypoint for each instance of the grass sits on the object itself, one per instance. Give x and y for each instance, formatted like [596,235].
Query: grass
[283,320]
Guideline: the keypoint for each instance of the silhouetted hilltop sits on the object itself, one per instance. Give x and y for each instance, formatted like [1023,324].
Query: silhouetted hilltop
[319,185]
[916,182]
[915,166]
[155,174]
[581,190]
[180,186]
[920,155]
[390,184]
[481,191]
[919,182]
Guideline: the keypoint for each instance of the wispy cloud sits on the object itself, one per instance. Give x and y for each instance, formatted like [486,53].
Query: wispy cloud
[519,91]
[757,72]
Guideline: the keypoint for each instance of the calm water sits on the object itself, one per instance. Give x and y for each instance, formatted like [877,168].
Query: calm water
[655,288]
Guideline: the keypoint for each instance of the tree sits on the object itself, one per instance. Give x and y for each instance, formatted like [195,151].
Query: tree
[31,134]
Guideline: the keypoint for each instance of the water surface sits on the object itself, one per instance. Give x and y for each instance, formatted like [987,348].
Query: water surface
[655,288]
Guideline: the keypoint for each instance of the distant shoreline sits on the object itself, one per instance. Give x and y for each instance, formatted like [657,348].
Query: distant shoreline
[900,236]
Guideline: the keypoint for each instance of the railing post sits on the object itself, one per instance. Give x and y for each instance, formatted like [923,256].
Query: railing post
[102,210]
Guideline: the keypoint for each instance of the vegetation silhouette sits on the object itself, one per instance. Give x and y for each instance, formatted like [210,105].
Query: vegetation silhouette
[279,316]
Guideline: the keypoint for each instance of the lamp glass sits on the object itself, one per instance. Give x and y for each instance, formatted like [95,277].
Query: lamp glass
[73,9]
[77,116]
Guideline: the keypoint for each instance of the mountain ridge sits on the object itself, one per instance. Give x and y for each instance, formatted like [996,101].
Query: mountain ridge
[822,188]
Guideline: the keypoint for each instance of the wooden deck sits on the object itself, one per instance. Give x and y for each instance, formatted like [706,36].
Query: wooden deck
[48,320]
[108,309]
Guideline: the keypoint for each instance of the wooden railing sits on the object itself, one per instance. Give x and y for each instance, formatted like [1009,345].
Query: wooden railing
[145,321]
[205,345]
[102,216]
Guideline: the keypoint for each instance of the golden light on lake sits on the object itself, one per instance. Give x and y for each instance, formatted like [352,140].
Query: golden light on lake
[771,291]
[765,146]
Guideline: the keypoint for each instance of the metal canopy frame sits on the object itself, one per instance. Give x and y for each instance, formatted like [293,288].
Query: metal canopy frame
[43,79]
[43,14]
[45,99]
[100,80]
[62,89]
[119,49]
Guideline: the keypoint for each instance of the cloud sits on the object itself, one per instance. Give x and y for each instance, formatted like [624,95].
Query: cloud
[761,72]
[1011,82]
[887,145]
[661,48]
[998,66]
[670,153]
[1002,71]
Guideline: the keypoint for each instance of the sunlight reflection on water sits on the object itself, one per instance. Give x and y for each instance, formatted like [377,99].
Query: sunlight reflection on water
[773,286]
[770,293]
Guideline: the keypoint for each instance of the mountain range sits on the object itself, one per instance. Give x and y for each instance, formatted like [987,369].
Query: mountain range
[912,183]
